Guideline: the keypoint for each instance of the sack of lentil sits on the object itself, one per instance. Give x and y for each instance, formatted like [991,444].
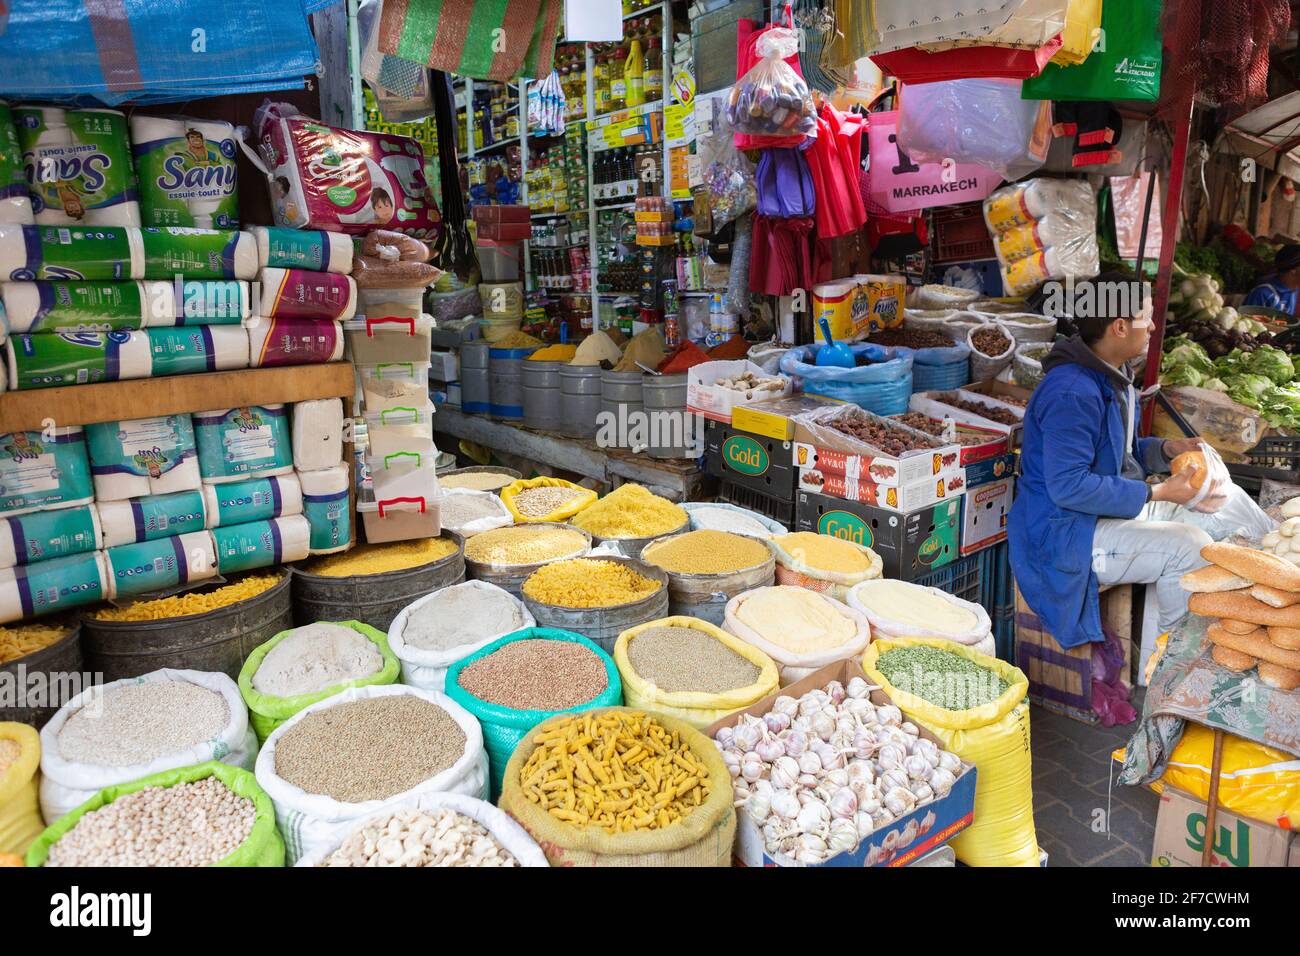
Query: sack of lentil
[696,826]
[800,629]
[469,512]
[184,807]
[355,753]
[515,682]
[545,499]
[691,669]
[821,562]
[302,665]
[442,825]
[976,705]
[137,727]
[20,768]
[441,628]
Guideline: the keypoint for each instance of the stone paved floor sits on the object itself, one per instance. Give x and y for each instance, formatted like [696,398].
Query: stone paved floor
[1072,791]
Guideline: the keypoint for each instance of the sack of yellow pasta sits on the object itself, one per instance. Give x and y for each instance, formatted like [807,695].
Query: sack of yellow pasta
[545,499]
[20,772]
[1255,781]
[976,706]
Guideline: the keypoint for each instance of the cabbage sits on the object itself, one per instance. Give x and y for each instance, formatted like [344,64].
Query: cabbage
[1273,363]
[1181,375]
[1185,352]
[1247,388]
[1214,385]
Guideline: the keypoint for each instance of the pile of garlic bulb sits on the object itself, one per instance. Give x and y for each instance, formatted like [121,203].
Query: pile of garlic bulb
[822,772]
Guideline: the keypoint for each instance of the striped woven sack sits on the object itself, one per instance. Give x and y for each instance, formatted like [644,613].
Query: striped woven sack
[482,39]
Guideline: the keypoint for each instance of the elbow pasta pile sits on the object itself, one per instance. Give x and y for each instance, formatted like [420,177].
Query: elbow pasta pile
[16,642]
[190,603]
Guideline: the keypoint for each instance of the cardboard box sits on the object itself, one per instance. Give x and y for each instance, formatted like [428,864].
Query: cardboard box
[910,545]
[932,824]
[984,514]
[929,404]
[990,469]
[754,461]
[919,494]
[1238,842]
[985,444]
[774,419]
[484,214]
[704,397]
[831,456]
[505,231]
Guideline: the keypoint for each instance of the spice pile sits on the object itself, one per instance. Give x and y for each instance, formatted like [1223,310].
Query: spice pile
[990,340]
[825,552]
[314,657]
[16,642]
[724,519]
[381,558]
[421,838]
[544,500]
[191,602]
[686,659]
[1003,416]
[456,511]
[559,352]
[524,544]
[881,435]
[706,552]
[517,340]
[911,339]
[536,675]
[941,677]
[136,723]
[588,582]
[822,772]
[620,771]
[369,749]
[631,511]
[459,615]
[189,824]
[476,480]
[796,619]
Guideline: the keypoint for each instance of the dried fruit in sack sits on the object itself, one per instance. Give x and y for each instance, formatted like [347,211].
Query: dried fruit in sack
[1003,416]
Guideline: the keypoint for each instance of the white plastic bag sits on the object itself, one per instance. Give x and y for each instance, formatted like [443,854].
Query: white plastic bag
[307,821]
[882,626]
[478,525]
[66,784]
[427,669]
[772,99]
[793,665]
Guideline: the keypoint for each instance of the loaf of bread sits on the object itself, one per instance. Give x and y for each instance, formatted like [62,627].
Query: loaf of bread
[1274,597]
[1285,637]
[1240,606]
[1187,461]
[1283,678]
[1232,660]
[1256,645]
[1260,567]
[1211,579]
[1237,627]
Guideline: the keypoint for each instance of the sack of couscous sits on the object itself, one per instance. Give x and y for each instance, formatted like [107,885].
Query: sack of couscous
[545,499]
[821,562]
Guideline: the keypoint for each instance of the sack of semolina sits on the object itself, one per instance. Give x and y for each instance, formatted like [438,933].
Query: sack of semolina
[821,562]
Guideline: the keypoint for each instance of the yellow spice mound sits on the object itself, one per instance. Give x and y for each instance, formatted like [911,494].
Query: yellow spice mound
[517,340]
[16,642]
[825,553]
[192,602]
[379,558]
[554,353]
[524,544]
[706,552]
[630,512]
[588,583]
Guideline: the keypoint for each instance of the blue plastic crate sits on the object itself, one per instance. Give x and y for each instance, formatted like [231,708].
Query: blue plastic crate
[962,578]
[931,378]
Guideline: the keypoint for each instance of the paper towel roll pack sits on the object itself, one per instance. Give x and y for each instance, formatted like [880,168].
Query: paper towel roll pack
[317,434]
[261,544]
[326,506]
[145,456]
[15,203]
[197,348]
[56,585]
[186,169]
[313,249]
[275,342]
[86,305]
[44,470]
[148,566]
[151,517]
[48,252]
[77,358]
[44,535]
[209,302]
[248,442]
[197,253]
[255,499]
[301,294]
[78,165]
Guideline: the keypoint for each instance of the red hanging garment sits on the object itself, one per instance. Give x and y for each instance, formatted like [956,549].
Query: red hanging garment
[781,260]
[834,159]
[911,65]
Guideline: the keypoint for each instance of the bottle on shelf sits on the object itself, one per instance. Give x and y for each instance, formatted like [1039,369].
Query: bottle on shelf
[634,74]
[654,71]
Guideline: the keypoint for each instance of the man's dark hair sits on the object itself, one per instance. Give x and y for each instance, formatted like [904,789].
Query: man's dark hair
[1092,322]
[1287,258]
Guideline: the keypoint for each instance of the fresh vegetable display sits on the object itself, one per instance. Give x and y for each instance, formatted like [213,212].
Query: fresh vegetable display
[1264,378]
[1196,309]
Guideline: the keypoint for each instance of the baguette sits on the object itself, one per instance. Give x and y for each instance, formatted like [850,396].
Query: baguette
[1237,627]
[1232,660]
[1213,578]
[1274,597]
[1257,646]
[1281,677]
[1259,566]
[1287,638]
[1242,607]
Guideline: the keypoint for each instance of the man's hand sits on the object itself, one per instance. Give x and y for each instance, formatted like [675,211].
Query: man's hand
[1178,489]
[1174,447]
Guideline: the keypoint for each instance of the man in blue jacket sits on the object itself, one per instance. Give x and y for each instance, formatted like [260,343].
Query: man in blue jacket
[1084,513]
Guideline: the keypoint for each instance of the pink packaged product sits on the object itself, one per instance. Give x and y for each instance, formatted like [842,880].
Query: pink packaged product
[283,341]
[302,294]
[324,177]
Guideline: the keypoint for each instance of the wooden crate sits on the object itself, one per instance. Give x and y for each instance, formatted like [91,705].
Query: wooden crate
[1060,679]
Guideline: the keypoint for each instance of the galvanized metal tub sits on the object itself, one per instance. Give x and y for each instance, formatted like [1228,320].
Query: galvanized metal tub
[579,400]
[543,400]
[706,595]
[50,664]
[510,577]
[671,427]
[603,625]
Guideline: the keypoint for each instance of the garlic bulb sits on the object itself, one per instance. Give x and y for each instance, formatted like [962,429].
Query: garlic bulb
[882,818]
[941,781]
[895,777]
[917,767]
[838,777]
[806,781]
[786,705]
[863,824]
[835,691]
[811,849]
[864,743]
[870,799]
[951,762]
[809,706]
[770,749]
[927,749]
[751,770]
[844,804]
[748,733]
[859,771]
[910,729]
[899,801]
[785,771]
[732,760]
[758,807]
[889,715]
[785,804]
[813,816]
[776,722]
[858,688]
[823,726]
[809,762]
[890,756]
[843,836]
[724,738]
[795,741]
[923,792]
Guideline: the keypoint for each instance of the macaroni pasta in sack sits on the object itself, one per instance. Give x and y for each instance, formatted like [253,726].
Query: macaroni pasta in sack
[995,738]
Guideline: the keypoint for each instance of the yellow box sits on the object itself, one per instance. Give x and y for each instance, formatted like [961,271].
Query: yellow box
[772,419]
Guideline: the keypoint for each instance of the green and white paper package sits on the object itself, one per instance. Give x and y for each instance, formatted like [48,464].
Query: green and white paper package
[59,584]
[150,517]
[98,305]
[77,358]
[198,253]
[144,456]
[78,165]
[15,203]
[150,566]
[187,172]
[239,443]
[44,535]
[256,499]
[325,504]
[57,252]
[261,544]
[41,470]
[314,249]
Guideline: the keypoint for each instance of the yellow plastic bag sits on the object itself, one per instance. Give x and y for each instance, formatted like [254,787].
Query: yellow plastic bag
[1254,781]
[563,513]
[1082,28]
[20,808]
[696,708]
[995,738]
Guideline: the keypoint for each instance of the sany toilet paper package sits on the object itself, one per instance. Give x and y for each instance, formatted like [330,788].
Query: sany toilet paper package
[186,169]
[77,358]
[323,177]
[15,203]
[78,165]
[99,305]
[125,252]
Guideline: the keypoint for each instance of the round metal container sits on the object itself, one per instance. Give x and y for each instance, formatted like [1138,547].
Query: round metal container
[63,657]
[672,428]
[620,398]
[510,577]
[483,469]
[579,400]
[706,595]
[603,625]
[505,382]
[632,547]
[475,390]
[543,401]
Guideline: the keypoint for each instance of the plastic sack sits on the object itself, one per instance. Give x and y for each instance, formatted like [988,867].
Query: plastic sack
[562,513]
[1254,780]
[1027,364]
[698,522]
[427,669]
[772,99]
[307,820]
[938,297]
[1027,326]
[1125,67]
[505,727]
[546,102]
[917,66]
[1032,25]
[896,23]
[450,306]
[266,712]
[512,837]
[704,837]
[1082,29]
[882,387]
[982,366]
[66,784]
[995,738]
[882,626]
[20,806]
[794,665]
[262,847]
[979,121]
[1213,493]
[729,176]
[502,518]
[791,569]
[695,707]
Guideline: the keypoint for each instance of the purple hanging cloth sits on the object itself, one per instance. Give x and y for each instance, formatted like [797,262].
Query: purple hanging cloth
[785,186]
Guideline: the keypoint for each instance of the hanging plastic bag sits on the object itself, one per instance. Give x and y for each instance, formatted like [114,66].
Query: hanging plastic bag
[728,174]
[546,102]
[1126,66]
[772,99]
[1082,29]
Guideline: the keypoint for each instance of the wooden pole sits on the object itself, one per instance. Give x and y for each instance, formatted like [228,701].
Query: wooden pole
[1212,803]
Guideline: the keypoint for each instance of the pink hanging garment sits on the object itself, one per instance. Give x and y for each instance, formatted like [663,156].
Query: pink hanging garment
[781,259]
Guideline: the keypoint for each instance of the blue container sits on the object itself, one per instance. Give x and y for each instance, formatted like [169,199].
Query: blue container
[884,386]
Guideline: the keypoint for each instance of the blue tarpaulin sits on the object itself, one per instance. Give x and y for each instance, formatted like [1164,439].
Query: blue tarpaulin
[153,51]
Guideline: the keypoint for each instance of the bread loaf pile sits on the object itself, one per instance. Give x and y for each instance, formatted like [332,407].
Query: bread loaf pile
[1255,597]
